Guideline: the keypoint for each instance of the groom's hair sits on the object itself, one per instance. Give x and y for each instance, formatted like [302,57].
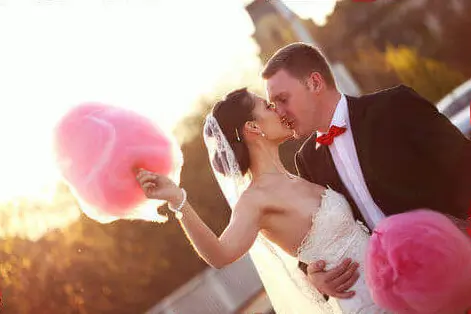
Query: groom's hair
[231,114]
[299,60]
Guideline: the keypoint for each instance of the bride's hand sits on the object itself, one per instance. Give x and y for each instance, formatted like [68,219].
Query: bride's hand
[158,186]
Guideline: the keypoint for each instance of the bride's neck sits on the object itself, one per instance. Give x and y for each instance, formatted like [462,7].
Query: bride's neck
[264,159]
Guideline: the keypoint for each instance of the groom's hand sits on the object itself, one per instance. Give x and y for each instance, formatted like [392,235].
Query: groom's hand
[336,281]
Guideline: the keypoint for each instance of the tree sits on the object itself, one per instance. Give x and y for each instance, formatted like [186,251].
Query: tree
[428,77]
[124,267]
[370,68]
[121,267]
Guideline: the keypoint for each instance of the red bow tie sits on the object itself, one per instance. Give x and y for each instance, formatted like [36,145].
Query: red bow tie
[327,139]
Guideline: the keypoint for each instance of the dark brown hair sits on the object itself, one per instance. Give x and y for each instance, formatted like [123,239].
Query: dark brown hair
[231,113]
[299,60]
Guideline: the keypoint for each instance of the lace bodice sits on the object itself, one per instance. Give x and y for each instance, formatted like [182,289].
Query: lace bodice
[334,236]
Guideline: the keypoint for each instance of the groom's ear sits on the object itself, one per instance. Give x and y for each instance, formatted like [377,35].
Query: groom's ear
[314,82]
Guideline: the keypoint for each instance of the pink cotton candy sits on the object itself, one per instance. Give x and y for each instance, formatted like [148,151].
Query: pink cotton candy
[98,149]
[419,262]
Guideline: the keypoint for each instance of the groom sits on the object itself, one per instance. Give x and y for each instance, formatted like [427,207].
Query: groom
[387,152]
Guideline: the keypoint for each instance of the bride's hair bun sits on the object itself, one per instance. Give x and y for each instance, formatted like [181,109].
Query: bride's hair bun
[231,113]
[241,151]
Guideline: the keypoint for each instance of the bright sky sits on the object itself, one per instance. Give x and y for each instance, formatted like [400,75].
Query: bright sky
[316,10]
[156,57]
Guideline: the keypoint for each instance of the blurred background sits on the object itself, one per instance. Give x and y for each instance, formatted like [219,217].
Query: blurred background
[171,60]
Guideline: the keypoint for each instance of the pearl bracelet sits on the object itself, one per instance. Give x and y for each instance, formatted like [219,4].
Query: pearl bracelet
[178,210]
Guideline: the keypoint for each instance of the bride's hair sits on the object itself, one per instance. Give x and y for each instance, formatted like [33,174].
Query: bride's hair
[231,114]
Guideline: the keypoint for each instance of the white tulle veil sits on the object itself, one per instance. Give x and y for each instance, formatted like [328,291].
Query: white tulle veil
[283,281]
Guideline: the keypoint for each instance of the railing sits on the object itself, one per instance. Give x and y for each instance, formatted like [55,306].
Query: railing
[222,291]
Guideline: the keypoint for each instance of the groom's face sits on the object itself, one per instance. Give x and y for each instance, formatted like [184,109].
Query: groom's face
[295,103]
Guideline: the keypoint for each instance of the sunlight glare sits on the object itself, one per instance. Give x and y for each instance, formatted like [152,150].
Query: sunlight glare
[316,10]
[153,58]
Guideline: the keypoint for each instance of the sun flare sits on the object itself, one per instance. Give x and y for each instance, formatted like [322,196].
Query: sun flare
[156,58]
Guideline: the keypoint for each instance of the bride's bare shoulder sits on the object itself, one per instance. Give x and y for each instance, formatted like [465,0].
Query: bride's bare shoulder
[252,196]
[312,184]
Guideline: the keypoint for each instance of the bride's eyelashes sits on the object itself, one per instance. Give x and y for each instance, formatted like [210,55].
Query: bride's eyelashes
[269,106]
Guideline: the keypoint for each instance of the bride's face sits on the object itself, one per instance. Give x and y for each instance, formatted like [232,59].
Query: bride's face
[269,121]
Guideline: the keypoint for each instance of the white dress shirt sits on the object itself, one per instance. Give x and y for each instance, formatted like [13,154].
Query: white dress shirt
[346,162]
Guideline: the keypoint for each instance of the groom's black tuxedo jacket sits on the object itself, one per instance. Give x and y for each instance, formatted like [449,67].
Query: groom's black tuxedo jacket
[411,156]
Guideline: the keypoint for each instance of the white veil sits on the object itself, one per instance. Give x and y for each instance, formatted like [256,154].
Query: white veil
[284,282]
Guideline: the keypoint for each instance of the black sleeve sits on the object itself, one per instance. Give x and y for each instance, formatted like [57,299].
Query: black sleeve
[301,167]
[446,151]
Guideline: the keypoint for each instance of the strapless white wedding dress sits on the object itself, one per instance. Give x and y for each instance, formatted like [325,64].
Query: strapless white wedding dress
[334,236]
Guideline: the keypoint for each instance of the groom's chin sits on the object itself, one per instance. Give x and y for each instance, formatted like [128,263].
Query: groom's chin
[300,131]
[297,135]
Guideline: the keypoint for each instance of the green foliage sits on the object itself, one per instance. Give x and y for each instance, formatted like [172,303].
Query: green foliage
[121,267]
[428,77]
[272,33]
[375,70]
[370,68]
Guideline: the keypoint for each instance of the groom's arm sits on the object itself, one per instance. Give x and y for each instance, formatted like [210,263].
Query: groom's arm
[445,150]
[300,168]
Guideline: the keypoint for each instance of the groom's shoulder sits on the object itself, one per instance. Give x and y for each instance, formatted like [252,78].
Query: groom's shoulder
[394,98]
[390,92]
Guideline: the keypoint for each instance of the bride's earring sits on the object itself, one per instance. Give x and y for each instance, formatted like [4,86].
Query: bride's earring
[263,134]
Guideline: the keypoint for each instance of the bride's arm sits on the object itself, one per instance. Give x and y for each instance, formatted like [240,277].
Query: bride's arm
[233,243]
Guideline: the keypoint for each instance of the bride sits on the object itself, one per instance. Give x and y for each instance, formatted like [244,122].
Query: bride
[306,222]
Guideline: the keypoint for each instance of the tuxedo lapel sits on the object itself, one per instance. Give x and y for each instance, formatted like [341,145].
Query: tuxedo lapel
[356,113]
[360,132]
[329,176]
[321,166]
[360,128]
[328,173]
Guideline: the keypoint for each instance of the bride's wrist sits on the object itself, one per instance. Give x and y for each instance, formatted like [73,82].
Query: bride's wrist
[177,199]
